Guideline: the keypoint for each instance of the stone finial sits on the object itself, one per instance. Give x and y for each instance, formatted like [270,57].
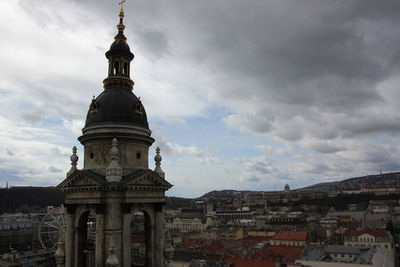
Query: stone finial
[114,171]
[114,151]
[60,252]
[74,161]
[112,259]
[158,159]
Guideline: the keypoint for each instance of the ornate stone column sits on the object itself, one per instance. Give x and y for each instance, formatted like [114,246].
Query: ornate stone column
[126,236]
[100,250]
[76,245]
[159,234]
[113,228]
[69,235]
[149,238]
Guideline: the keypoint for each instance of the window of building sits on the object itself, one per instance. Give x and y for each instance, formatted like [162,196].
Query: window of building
[116,67]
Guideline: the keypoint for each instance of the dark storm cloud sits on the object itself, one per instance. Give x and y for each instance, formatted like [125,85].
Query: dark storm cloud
[325,54]
[154,41]
[326,148]
[303,54]
[383,124]
[293,70]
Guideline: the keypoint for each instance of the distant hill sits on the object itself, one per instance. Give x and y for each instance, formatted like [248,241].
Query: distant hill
[178,202]
[224,194]
[392,178]
[26,198]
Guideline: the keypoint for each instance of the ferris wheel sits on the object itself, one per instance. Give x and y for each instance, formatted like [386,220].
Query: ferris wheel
[51,227]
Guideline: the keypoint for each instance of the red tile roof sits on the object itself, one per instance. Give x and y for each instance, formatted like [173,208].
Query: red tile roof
[246,262]
[290,235]
[370,232]
[253,238]
[287,251]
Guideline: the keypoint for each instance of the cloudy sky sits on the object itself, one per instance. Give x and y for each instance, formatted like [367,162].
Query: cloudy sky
[239,94]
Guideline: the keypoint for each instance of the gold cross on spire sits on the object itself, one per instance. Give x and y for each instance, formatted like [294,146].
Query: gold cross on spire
[122,4]
[121,11]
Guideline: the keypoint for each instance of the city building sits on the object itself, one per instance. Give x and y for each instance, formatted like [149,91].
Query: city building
[186,224]
[287,221]
[381,190]
[342,256]
[368,238]
[289,238]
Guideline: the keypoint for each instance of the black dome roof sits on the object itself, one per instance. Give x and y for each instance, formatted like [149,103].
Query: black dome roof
[120,47]
[119,106]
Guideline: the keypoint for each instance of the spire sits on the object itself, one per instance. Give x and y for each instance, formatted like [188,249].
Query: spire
[158,159]
[74,161]
[121,25]
[119,58]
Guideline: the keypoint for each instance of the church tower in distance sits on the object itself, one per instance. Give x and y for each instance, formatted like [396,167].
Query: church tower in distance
[115,182]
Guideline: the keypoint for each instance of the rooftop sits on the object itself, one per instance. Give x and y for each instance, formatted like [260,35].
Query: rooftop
[290,235]
[361,255]
[369,232]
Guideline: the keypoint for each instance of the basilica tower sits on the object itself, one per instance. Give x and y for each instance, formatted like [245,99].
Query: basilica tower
[115,181]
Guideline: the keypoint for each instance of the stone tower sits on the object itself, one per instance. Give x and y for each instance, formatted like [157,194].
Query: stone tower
[115,180]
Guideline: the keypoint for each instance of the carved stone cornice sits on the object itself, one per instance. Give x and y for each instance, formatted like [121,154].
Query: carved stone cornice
[87,181]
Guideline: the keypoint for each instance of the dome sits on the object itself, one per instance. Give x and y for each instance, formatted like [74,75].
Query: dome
[120,47]
[116,106]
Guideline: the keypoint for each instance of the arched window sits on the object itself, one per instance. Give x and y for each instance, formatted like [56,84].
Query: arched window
[125,70]
[86,239]
[116,67]
[140,238]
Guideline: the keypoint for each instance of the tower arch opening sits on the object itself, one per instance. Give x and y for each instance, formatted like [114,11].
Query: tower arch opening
[116,68]
[141,227]
[86,239]
[125,69]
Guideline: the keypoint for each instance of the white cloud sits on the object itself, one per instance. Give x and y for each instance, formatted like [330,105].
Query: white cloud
[33,154]
[74,125]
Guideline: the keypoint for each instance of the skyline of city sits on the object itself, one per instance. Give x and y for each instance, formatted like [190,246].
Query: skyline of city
[245,96]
